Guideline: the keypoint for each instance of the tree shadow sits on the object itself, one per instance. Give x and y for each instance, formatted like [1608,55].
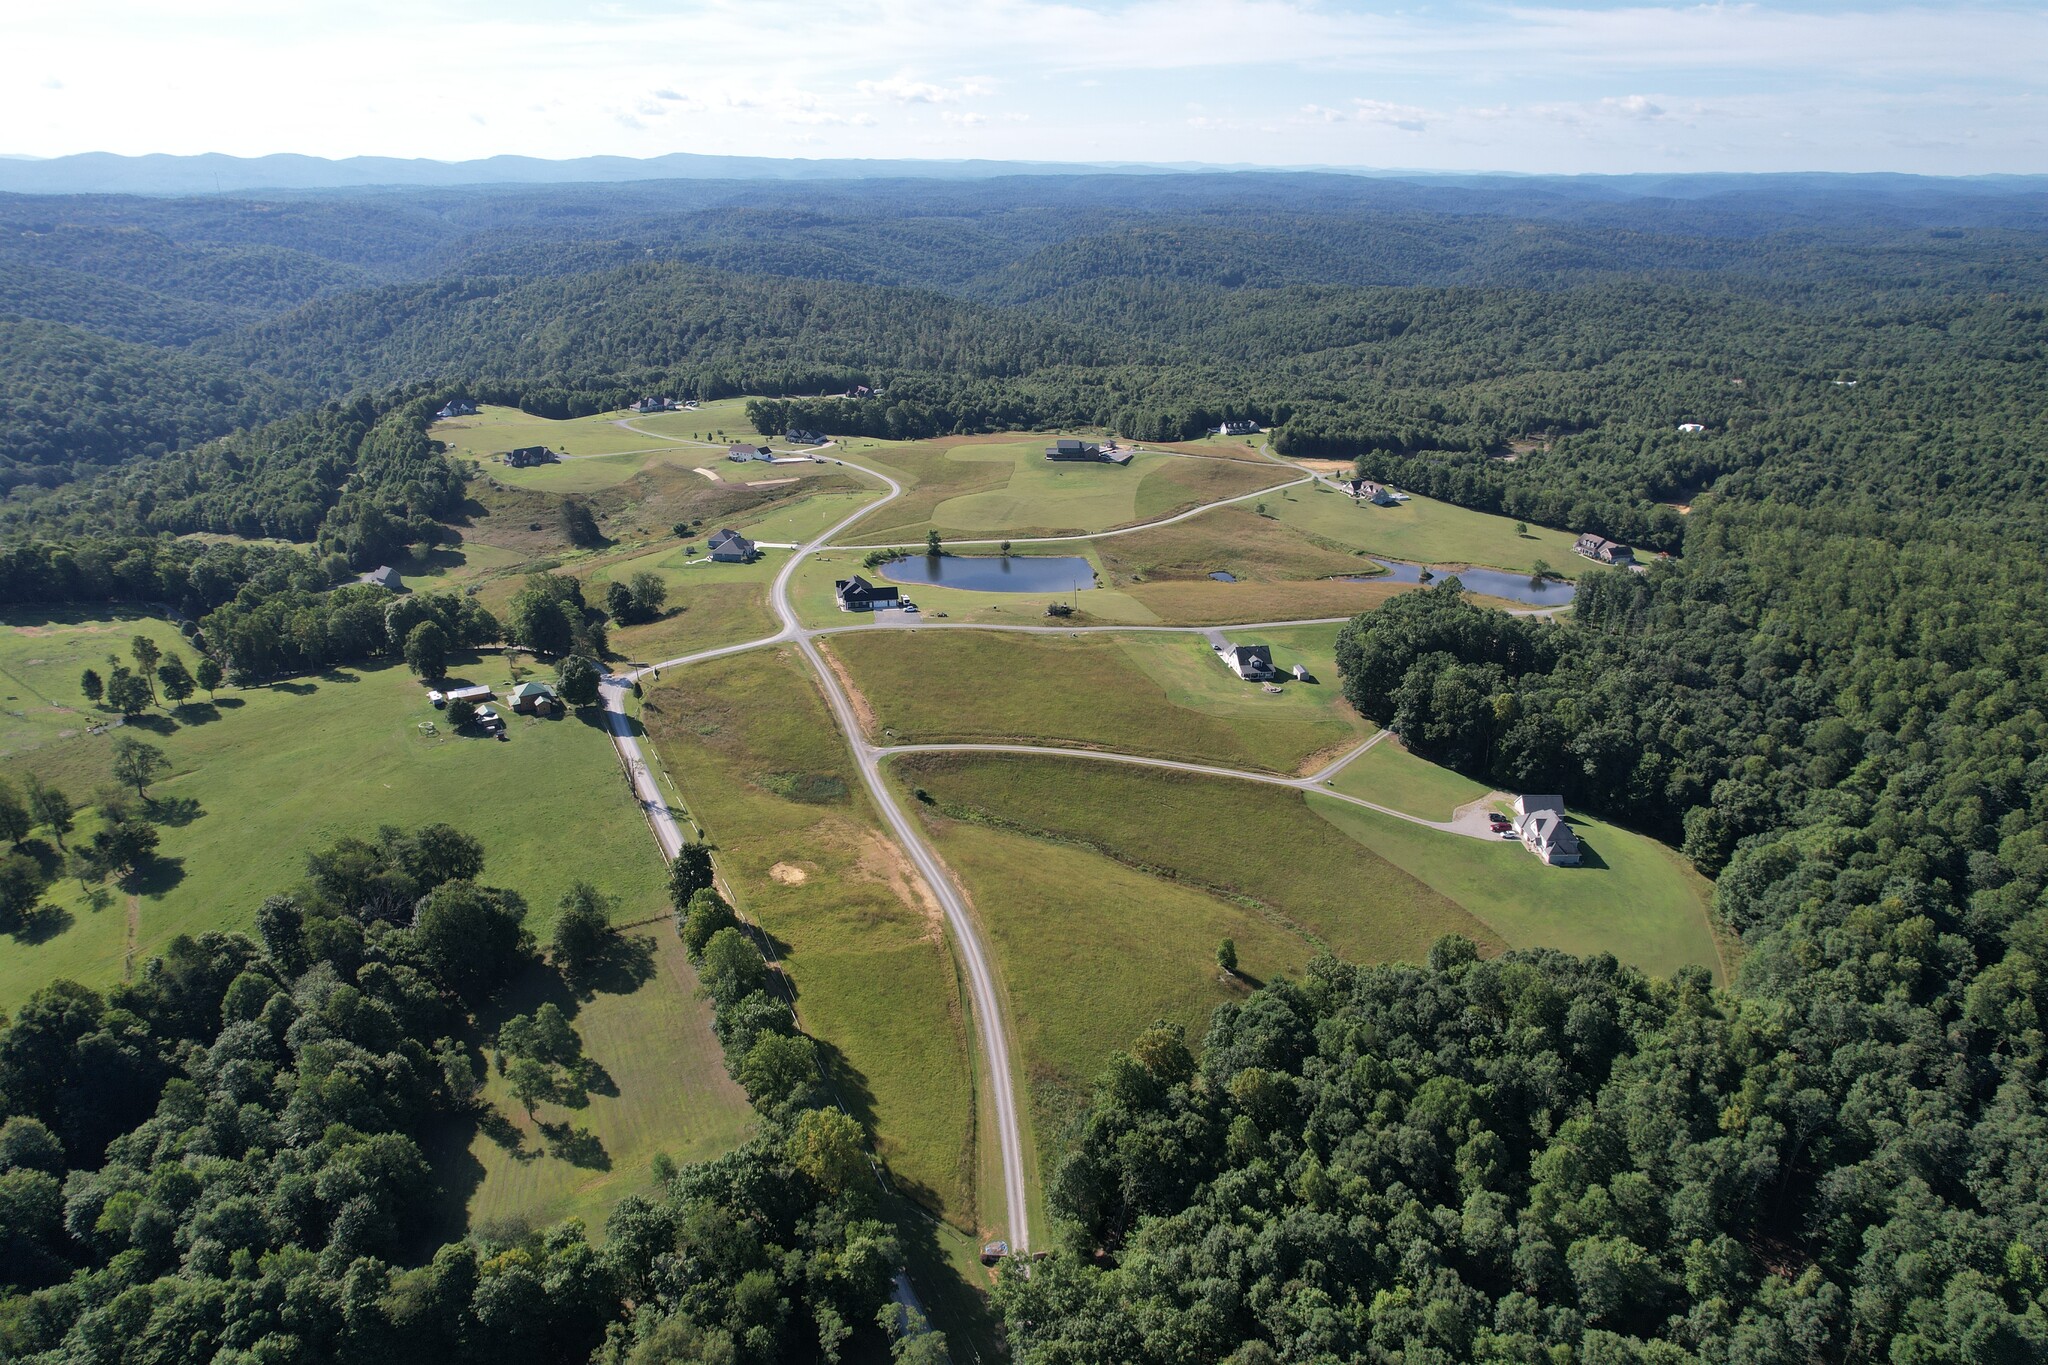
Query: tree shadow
[196,713]
[156,876]
[586,1077]
[41,923]
[297,689]
[175,811]
[577,1146]
[953,1304]
[45,856]
[593,716]
[340,675]
[504,1134]
[625,965]
[156,725]
[227,703]
[848,1084]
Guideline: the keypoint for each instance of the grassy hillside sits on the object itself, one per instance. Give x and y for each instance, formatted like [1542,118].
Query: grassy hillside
[756,760]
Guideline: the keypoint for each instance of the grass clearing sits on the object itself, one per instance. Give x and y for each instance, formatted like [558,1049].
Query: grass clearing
[1391,776]
[1091,952]
[1424,531]
[1004,485]
[1244,841]
[670,1094]
[758,762]
[42,655]
[1163,695]
[1633,898]
[278,771]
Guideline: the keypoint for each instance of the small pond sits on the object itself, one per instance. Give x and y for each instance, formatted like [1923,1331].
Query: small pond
[993,573]
[1515,587]
[1224,576]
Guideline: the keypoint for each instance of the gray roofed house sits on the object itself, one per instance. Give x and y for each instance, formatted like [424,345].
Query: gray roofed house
[525,457]
[730,547]
[1253,663]
[1603,550]
[383,576]
[857,594]
[739,452]
[457,407]
[1540,823]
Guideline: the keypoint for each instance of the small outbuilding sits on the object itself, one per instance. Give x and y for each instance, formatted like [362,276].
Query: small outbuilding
[384,577]
[1301,672]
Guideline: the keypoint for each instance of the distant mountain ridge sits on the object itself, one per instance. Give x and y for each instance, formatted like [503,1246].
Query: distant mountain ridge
[218,173]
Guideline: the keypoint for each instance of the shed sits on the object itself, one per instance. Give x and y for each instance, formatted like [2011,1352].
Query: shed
[384,577]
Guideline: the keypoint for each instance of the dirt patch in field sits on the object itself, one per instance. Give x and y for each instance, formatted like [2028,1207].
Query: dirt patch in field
[789,874]
[862,712]
[883,860]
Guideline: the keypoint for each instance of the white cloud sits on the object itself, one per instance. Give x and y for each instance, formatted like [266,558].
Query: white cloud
[1406,117]
[969,120]
[1633,106]
[903,90]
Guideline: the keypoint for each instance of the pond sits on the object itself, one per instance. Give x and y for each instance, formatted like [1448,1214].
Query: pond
[1224,576]
[1515,587]
[993,573]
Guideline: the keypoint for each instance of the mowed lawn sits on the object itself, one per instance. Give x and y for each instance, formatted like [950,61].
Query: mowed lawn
[1004,486]
[276,772]
[669,1095]
[1424,531]
[1161,695]
[1090,953]
[709,604]
[1632,897]
[1255,844]
[757,761]
[42,655]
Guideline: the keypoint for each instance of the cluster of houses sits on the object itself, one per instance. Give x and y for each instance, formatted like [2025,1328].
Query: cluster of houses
[1378,494]
[652,404]
[857,594]
[1107,453]
[527,699]
[1539,824]
[1244,428]
[730,547]
[526,457]
[1601,550]
[739,452]
[1254,663]
[457,407]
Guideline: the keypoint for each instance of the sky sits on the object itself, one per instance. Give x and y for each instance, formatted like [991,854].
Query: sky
[1827,85]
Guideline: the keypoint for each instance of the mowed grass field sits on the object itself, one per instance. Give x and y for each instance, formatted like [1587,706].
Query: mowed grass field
[1423,531]
[1162,695]
[1245,841]
[756,759]
[669,1094]
[278,771]
[1004,486]
[1633,897]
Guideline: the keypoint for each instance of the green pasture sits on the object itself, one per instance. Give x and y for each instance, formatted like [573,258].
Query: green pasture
[274,772]
[798,523]
[1090,953]
[1006,486]
[1161,695]
[810,592]
[756,760]
[723,420]
[1391,776]
[1423,531]
[669,1094]
[709,604]
[1248,842]
[498,429]
[42,655]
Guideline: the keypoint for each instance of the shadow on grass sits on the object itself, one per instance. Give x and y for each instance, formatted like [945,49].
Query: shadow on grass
[156,876]
[297,689]
[340,675]
[41,923]
[954,1305]
[196,713]
[156,725]
[45,856]
[228,703]
[626,965]
[175,811]
[593,716]
[577,1146]
[847,1084]
[1590,856]
[504,1134]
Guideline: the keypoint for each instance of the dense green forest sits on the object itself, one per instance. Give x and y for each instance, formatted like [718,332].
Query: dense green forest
[228,1158]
